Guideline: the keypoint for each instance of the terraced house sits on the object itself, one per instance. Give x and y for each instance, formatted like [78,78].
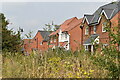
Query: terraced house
[94,25]
[87,31]
[67,36]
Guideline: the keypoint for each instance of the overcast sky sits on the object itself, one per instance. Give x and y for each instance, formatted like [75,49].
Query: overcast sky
[32,16]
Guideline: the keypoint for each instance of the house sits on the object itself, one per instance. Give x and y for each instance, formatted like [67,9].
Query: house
[94,26]
[67,35]
[39,42]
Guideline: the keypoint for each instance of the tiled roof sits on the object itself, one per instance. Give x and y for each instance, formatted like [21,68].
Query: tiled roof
[68,25]
[110,9]
[109,12]
[73,25]
[44,34]
[89,17]
[91,39]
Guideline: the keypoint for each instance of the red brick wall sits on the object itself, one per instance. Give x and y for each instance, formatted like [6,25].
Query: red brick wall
[44,46]
[75,38]
[38,38]
[114,22]
[28,45]
[85,37]
[104,36]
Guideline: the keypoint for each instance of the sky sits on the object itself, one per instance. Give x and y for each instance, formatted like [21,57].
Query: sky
[33,15]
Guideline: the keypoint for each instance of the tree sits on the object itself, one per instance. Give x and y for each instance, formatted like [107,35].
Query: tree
[11,41]
[51,27]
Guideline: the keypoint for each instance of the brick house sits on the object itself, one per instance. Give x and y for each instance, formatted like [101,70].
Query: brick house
[67,35]
[74,32]
[39,42]
[94,26]
[41,39]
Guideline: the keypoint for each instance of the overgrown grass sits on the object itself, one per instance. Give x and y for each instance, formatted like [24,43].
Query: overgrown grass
[51,64]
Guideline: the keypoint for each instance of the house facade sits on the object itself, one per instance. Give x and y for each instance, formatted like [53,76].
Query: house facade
[67,34]
[94,27]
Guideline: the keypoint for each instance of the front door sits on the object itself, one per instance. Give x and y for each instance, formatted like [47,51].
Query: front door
[89,48]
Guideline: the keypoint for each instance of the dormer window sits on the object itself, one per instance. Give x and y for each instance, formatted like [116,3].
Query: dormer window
[94,29]
[86,30]
[104,25]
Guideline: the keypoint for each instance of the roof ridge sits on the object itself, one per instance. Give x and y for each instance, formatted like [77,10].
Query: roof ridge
[72,20]
[89,14]
[78,22]
[109,3]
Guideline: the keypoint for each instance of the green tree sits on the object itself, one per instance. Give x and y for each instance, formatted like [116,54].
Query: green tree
[11,41]
[51,27]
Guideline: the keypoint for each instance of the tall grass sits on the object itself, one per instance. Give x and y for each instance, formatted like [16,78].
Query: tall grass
[51,64]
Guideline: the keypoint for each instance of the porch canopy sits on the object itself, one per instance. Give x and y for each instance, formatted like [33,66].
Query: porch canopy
[91,39]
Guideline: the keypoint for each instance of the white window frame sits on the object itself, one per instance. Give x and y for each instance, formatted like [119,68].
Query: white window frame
[103,26]
[86,30]
[104,45]
[86,47]
[65,36]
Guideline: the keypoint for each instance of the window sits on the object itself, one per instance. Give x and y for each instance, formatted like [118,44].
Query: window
[61,36]
[87,30]
[104,25]
[94,28]
[86,48]
[40,43]
[65,36]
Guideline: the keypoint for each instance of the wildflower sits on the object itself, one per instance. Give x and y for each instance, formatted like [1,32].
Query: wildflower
[70,75]
[78,73]
[78,77]
[91,71]
[85,73]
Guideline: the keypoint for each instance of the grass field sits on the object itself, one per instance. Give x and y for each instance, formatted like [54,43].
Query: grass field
[52,64]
